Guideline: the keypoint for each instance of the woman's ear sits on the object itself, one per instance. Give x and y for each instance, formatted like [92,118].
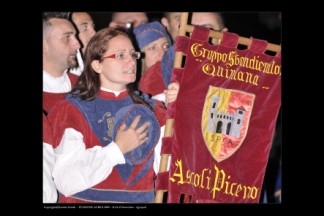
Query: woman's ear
[96,66]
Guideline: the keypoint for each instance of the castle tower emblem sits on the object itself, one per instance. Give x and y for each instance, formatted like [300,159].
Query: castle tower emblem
[225,120]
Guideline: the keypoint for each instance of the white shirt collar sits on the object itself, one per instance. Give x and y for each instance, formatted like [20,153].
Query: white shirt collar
[56,84]
[115,92]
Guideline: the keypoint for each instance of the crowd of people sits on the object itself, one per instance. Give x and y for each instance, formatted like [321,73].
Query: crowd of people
[105,94]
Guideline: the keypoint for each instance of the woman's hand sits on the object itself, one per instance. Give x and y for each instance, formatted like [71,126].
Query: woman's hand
[130,138]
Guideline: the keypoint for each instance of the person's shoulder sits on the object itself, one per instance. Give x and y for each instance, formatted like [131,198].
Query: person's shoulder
[63,106]
[64,114]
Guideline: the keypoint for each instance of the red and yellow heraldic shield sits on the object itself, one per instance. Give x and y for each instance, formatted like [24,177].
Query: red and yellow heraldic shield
[224,119]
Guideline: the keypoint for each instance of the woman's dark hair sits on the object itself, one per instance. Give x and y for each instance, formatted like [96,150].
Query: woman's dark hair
[88,84]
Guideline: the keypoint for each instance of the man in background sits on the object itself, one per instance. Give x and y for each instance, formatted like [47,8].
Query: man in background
[86,28]
[212,20]
[124,19]
[60,46]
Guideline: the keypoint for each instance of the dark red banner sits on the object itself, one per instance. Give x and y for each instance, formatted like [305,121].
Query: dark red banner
[224,119]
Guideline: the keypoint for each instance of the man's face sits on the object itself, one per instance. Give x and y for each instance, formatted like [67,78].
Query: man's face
[60,44]
[85,25]
[172,24]
[209,20]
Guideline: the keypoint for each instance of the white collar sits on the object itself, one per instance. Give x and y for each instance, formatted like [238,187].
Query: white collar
[53,84]
[115,92]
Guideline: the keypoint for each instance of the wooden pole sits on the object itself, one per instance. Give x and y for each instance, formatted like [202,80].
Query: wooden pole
[169,122]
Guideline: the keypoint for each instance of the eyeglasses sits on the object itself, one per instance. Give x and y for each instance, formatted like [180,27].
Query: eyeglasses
[122,55]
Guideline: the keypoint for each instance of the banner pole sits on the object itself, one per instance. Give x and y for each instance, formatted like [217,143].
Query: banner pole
[169,122]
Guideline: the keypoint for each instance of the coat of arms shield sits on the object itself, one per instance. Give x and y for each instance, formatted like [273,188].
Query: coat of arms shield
[225,120]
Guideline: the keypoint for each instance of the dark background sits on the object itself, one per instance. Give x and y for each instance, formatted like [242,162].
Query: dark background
[260,25]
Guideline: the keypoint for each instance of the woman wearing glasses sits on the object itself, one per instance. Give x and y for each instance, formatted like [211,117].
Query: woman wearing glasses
[104,133]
